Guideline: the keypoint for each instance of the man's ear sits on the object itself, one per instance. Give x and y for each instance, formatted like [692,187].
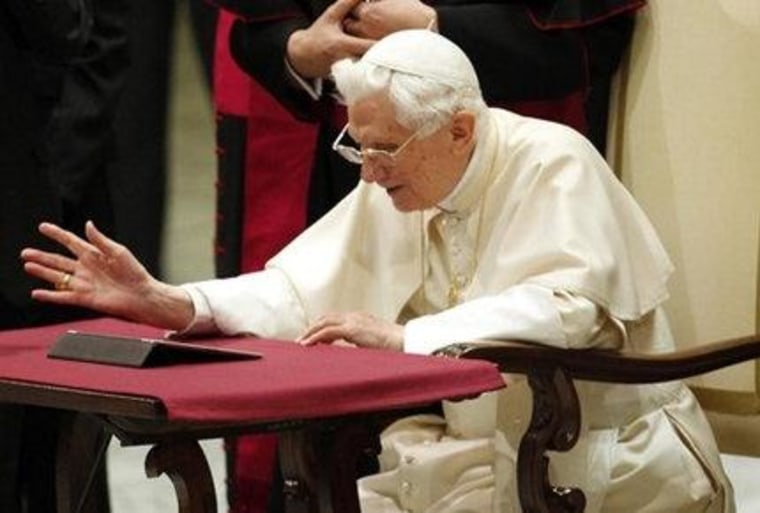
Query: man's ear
[463,130]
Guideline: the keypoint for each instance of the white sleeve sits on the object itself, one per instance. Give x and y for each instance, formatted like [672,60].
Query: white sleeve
[262,303]
[524,312]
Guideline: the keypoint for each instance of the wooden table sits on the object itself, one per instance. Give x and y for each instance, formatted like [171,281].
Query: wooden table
[319,398]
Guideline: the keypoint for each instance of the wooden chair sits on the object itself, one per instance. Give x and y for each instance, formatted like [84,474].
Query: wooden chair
[556,418]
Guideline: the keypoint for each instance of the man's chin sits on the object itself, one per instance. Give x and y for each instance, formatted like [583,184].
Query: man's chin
[403,201]
[401,205]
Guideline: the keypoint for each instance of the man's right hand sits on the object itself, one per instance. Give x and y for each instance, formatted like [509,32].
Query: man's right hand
[312,51]
[103,275]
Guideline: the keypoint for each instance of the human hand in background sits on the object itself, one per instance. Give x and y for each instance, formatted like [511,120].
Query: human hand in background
[375,20]
[312,51]
[357,328]
[103,275]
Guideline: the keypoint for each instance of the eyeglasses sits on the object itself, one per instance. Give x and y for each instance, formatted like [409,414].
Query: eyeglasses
[357,156]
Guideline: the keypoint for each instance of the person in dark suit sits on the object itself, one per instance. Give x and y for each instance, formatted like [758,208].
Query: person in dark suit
[34,53]
[62,64]
[549,59]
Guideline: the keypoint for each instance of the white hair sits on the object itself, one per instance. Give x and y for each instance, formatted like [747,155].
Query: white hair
[417,101]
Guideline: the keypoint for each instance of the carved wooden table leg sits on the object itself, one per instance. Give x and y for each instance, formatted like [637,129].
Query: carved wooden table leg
[185,464]
[554,425]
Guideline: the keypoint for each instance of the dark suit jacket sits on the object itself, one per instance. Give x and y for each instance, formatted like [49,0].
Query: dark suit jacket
[37,41]
[62,66]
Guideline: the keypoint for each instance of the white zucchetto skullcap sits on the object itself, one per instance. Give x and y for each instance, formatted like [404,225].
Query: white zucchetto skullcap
[424,53]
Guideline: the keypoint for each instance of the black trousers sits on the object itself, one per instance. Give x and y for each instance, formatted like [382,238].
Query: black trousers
[28,449]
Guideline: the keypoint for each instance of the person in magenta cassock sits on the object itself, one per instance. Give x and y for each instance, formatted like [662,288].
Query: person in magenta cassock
[274,121]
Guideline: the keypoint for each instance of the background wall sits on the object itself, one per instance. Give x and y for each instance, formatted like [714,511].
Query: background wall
[687,144]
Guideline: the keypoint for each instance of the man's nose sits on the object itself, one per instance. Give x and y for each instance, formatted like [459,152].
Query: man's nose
[370,171]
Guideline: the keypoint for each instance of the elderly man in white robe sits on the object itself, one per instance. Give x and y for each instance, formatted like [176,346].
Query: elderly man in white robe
[470,223]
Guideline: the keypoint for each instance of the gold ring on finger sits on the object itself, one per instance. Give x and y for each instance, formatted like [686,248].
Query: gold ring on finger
[63,284]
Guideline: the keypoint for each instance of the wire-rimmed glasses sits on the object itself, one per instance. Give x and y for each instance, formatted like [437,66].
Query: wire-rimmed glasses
[358,156]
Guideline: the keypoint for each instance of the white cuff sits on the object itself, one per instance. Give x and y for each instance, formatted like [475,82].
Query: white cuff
[203,319]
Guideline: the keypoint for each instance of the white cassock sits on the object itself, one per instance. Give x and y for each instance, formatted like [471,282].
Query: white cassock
[539,241]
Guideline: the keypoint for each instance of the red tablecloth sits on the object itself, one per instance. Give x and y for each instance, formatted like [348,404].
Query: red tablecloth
[289,382]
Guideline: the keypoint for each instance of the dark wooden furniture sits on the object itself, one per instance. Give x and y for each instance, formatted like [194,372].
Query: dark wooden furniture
[319,398]
[555,422]
[334,441]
